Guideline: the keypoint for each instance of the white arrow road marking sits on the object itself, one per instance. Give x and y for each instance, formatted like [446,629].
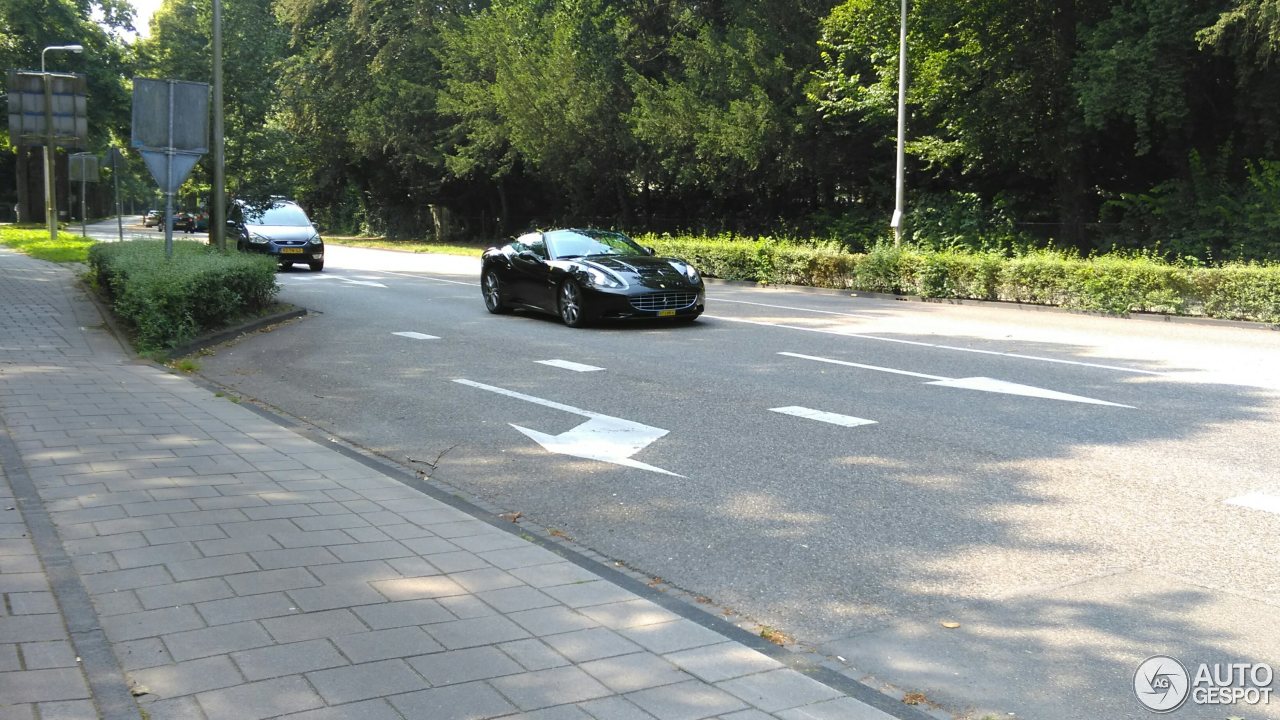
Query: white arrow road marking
[602,437]
[344,280]
[1258,501]
[566,365]
[984,384]
[822,416]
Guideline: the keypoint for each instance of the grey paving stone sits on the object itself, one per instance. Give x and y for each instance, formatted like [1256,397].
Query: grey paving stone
[23,582]
[328,597]
[367,534]
[179,708]
[75,517]
[434,516]
[290,659]
[778,690]
[669,637]
[402,614]
[32,628]
[417,588]
[257,528]
[630,613]
[481,537]
[151,623]
[250,607]
[216,640]
[42,686]
[478,631]
[97,563]
[32,603]
[237,544]
[365,681]
[165,536]
[722,661]
[183,593]
[518,598]
[271,581]
[469,701]
[412,566]
[322,520]
[354,572]
[224,502]
[544,688]
[614,708]
[686,701]
[371,551]
[598,592]
[459,666]
[130,525]
[590,644]
[563,712]
[386,644]
[264,699]
[270,512]
[126,579]
[160,507]
[628,673]
[295,557]
[9,660]
[544,576]
[456,561]
[516,557]
[477,581]
[48,655]
[748,714]
[552,620]
[89,546]
[117,603]
[68,710]
[211,567]
[423,544]
[301,538]
[310,626]
[845,708]
[367,710]
[156,555]
[186,678]
[144,653]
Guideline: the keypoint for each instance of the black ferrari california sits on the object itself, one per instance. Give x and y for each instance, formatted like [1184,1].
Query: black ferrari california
[588,275]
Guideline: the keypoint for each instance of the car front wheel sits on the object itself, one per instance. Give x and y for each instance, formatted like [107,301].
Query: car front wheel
[491,286]
[571,310]
[316,266]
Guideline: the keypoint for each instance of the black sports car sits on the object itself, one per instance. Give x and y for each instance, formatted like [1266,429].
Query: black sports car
[589,275]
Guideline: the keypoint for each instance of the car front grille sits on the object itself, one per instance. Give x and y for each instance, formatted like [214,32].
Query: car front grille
[670,300]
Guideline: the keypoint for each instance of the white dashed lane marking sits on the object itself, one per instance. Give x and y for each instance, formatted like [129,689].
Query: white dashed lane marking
[416,335]
[567,365]
[823,416]
[1258,501]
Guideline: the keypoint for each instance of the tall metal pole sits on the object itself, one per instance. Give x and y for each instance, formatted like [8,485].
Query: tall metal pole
[84,212]
[168,183]
[115,181]
[50,184]
[899,199]
[218,219]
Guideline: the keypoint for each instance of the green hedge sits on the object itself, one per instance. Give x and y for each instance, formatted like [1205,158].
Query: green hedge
[168,302]
[1116,284]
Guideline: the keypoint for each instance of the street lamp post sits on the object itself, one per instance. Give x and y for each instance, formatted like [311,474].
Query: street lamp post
[50,188]
[900,192]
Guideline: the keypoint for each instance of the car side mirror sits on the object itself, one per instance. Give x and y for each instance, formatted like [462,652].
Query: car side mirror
[650,250]
[530,257]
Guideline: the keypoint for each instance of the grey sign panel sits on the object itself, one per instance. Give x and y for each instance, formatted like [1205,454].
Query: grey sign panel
[170,114]
[67,105]
[169,175]
[84,167]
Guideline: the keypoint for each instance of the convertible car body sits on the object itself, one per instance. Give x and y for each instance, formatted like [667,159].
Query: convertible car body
[584,276]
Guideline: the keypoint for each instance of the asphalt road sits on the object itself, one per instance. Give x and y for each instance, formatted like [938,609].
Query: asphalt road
[1057,484]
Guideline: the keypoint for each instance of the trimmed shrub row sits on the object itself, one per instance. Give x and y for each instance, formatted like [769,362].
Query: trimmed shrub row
[168,302]
[1109,283]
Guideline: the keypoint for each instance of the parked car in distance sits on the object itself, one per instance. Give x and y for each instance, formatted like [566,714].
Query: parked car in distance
[588,275]
[151,218]
[277,227]
[184,221]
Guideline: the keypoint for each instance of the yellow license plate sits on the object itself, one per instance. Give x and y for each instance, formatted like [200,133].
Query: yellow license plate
[291,251]
[666,313]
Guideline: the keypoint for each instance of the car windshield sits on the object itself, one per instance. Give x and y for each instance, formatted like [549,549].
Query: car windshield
[580,243]
[277,214]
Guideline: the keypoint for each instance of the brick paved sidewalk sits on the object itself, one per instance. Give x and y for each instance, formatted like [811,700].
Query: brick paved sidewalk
[224,566]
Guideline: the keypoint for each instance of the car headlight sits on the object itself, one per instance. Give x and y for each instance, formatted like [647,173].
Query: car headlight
[315,240]
[257,239]
[600,278]
[689,271]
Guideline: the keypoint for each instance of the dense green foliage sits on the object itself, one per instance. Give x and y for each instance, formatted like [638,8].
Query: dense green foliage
[1149,125]
[1113,284]
[167,302]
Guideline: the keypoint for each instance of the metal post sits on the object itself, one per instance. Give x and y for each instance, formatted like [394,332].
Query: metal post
[50,184]
[899,199]
[218,216]
[168,183]
[84,212]
[115,181]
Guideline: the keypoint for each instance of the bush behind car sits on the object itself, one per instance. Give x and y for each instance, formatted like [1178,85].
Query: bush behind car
[168,302]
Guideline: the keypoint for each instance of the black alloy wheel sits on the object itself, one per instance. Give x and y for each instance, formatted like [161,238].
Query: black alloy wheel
[571,310]
[491,286]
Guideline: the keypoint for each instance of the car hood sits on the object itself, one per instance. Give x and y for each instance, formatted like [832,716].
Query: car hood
[283,233]
[645,270]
